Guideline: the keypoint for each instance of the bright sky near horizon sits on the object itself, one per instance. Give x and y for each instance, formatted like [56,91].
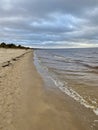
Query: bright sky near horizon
[49,23]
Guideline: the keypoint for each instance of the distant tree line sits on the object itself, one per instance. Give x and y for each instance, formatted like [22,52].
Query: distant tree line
[11,45]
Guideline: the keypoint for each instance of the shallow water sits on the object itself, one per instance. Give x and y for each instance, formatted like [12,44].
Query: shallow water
[75,73]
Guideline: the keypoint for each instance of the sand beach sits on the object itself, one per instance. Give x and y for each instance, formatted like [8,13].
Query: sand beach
[25,103]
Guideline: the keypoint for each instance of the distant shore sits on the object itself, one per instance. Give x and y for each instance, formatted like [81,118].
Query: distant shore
[25,104]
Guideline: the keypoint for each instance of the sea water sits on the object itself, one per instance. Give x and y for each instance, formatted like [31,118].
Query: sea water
[73,71]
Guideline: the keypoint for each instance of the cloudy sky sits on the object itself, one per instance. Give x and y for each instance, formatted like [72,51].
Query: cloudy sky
[49,23]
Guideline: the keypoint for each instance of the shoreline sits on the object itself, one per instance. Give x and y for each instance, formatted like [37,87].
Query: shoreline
[27,105]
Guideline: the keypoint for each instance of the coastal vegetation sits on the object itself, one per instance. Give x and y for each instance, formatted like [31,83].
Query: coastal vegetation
[11,45]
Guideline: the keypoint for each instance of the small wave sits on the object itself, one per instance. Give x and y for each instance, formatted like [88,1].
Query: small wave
[95,67]
[70,92]
[70,60]
[86,65]
[90,66]
[64,59]
[60,57]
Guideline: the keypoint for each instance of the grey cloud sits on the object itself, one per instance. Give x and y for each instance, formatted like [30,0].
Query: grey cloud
[36,22]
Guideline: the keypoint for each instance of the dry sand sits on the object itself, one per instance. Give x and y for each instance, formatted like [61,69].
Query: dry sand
[25,104]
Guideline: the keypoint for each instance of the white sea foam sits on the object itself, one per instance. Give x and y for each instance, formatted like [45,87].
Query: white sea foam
[70,92]
[95,120]
[96,111]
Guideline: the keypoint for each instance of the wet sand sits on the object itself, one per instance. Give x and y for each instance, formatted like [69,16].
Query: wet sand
[25,103]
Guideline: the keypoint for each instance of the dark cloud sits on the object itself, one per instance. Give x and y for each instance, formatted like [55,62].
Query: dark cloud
[55,23]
